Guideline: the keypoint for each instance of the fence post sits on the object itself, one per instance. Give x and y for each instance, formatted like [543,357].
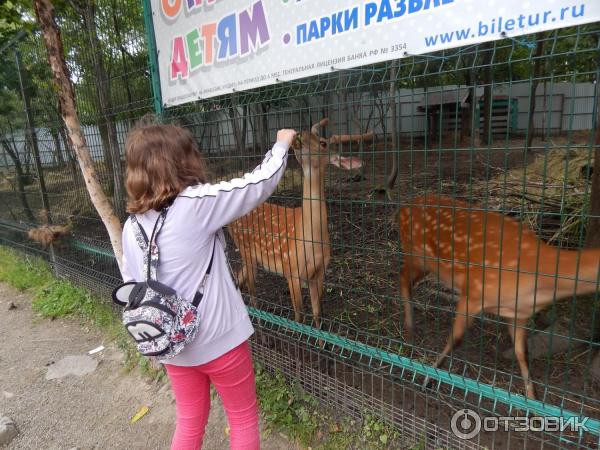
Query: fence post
[153,59]
[32,138]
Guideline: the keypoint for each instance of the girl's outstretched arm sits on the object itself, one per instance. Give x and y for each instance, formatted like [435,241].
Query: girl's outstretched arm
[219,204]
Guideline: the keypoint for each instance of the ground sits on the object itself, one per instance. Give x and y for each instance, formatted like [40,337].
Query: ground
[90,411]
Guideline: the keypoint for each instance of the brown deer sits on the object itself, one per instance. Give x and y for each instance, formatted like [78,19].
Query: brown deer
[496,264]
[294,242]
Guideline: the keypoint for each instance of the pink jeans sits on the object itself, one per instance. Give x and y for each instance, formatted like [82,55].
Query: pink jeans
[233,377]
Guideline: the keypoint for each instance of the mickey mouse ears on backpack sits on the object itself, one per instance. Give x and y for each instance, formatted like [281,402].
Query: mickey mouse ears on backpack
[121,293]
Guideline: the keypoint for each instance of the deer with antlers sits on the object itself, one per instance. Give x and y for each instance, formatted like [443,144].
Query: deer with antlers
[294,242]
[496,264]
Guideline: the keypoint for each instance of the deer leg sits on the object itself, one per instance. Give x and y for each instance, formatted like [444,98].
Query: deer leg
[463,320]
[518,333]
[315,286]
[251,282]
[409,275]
[242,275]
[296,295]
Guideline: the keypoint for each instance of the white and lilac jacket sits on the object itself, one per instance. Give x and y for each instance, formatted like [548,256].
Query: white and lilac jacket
[193,225]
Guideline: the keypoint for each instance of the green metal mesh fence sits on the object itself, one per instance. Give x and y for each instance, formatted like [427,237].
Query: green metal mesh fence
[508,127]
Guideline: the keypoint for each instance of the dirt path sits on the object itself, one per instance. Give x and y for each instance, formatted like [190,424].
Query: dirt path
[89,411]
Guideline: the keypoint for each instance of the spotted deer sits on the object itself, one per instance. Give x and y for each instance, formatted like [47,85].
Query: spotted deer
[294,242]
[496,264]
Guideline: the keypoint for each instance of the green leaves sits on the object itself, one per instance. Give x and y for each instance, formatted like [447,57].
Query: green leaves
[15,15]
[285,406]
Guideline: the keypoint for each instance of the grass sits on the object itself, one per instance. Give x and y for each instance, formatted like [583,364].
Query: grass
[22,273]
[285,407]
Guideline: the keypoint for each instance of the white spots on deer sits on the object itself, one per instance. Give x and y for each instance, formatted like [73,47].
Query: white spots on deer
[445,247]
[495,273]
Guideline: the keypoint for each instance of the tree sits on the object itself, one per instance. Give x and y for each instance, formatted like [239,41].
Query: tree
[239,133]
[11,106]
[44,12]
[391,179]
[488,57]
[13,20]
[32,135]
[19,177]
[469,131]
[108,129]
[535,81]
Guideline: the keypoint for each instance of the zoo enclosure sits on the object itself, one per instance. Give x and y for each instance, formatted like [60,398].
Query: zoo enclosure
[537,170]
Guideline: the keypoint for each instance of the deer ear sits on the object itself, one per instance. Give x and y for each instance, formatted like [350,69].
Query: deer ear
[345,163]
[345,138]
[315,129]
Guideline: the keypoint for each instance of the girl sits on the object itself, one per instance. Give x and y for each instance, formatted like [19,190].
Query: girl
[165,168]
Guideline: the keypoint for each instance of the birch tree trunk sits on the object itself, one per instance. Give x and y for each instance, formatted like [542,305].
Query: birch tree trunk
[44,12]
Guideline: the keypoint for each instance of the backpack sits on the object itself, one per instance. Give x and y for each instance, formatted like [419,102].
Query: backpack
[160,321]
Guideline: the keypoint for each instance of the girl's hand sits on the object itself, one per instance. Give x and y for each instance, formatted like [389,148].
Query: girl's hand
[286,137]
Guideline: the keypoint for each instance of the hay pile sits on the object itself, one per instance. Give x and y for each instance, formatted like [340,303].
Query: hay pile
[550,194]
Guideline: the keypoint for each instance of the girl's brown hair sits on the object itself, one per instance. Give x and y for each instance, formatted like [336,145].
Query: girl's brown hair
[162,160]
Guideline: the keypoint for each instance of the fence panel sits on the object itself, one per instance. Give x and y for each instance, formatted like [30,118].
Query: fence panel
[456,247]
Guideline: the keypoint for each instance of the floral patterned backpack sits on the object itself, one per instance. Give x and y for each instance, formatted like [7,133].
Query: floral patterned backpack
[159,320]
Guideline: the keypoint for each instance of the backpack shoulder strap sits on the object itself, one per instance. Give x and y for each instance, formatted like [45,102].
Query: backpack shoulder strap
[152,255]
[138,231]
[149,246]
[198,297]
